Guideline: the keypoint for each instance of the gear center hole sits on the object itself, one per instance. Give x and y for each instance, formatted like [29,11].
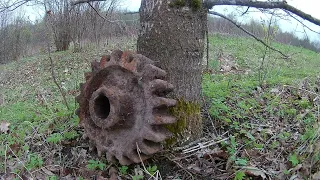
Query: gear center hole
[102,106]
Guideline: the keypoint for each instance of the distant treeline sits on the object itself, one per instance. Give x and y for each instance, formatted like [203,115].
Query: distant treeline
[261,30]
[80,26]
[63,26]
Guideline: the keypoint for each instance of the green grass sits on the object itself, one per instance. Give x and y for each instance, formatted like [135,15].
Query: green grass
[256,116]
[39,120]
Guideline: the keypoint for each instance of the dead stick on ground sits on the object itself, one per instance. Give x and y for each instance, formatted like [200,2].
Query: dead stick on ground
[57,84]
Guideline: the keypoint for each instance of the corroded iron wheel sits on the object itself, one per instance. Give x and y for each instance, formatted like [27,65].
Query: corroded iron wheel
[122,107]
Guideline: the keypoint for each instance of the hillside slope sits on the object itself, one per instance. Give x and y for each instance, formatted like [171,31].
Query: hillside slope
[264,108]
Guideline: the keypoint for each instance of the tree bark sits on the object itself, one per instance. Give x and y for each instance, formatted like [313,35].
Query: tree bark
[173,35]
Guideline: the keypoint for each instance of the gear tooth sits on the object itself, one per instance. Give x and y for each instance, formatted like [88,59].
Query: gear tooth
[159,86]
[134,156]
[87,75]
[149,147]
[116,55]
[163,102]
[128,57]
[110,157]
[124,160]
[163,119]
[153,72]
[103,61]
[81,86]
[95,66]
[156,134]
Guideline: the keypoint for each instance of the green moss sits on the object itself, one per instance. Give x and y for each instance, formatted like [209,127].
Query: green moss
[178,3]
[195,4]
[187,114]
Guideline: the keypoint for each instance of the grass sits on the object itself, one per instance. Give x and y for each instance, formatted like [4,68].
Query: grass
[276,117]
[260,115]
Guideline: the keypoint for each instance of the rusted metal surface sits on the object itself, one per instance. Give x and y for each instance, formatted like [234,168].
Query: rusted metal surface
[122,107]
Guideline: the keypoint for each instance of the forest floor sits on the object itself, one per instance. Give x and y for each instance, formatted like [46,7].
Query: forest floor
[261,115]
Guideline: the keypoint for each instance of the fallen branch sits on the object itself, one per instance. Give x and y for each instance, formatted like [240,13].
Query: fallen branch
[249,33]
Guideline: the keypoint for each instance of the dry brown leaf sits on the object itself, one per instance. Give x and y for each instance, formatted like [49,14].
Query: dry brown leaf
[253,171]
[216,153]
[4,127]
[316,176]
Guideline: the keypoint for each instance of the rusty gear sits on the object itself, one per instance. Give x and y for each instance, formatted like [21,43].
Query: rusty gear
[122,107]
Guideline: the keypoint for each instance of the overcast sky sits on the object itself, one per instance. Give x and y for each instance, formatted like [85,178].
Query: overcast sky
[308,6]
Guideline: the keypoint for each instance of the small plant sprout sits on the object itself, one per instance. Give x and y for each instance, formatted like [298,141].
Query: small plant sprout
[93,165]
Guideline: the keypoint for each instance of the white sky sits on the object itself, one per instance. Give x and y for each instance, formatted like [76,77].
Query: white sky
[308,6]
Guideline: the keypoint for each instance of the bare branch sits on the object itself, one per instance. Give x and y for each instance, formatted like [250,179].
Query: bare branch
[265,5]
[101,15]
[14,5]
[300,22]
[249,33]
[84,1]
[132,12]
[118,22]
[245,11]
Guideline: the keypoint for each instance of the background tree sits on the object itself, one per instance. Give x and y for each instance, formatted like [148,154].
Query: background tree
[59,18]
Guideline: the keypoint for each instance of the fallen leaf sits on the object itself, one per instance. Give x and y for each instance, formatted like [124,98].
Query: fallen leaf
[253,171]
[4,127]
[316,176]
[216,153]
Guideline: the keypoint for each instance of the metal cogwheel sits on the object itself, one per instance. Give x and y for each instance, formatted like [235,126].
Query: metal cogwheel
[122,107]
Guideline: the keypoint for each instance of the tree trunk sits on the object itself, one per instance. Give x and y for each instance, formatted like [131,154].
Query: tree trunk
[62,40]
[172,34]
